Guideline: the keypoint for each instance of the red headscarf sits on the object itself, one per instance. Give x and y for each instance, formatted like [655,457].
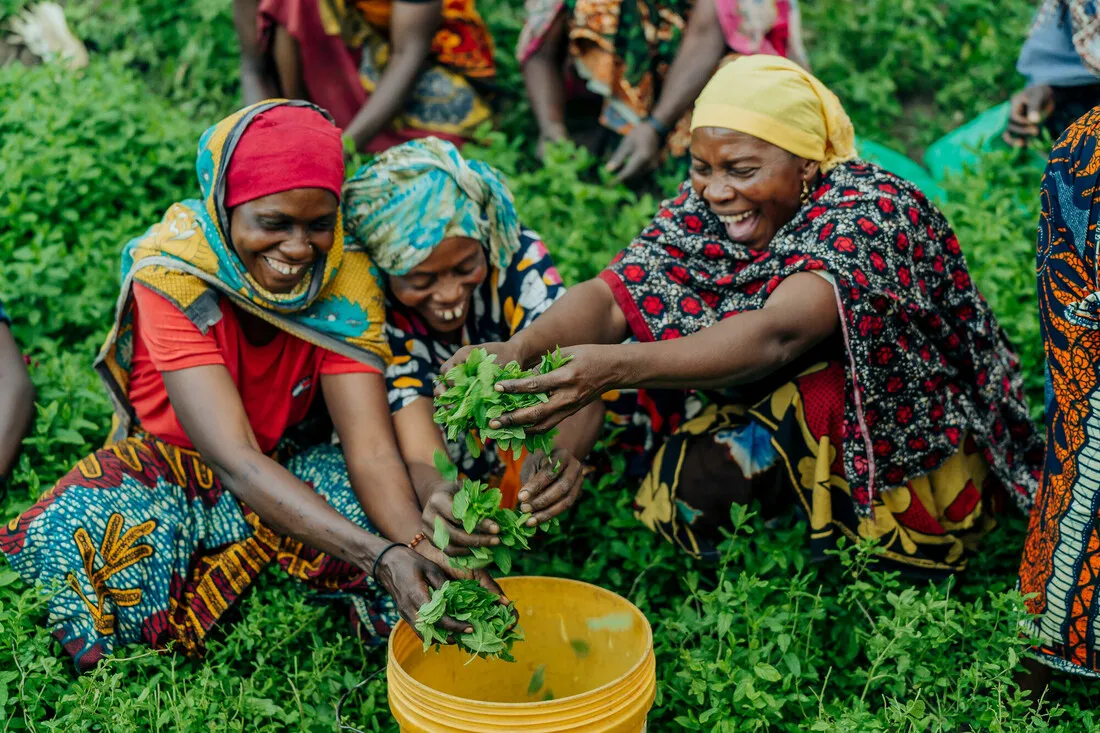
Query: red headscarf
[282,149]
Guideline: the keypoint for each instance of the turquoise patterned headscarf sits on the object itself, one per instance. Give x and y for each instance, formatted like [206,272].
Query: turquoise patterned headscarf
[412,197]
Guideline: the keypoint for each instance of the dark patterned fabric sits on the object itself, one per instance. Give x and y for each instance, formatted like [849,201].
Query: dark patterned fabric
[778,447]
[1061,560]
[927,362]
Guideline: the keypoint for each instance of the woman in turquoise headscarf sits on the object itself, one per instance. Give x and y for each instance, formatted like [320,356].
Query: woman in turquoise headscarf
[236,314]
[459,269]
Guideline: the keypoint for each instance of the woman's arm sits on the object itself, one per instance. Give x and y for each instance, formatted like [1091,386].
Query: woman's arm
[361,414]
[16,400]
[701,48]
[256,83]
[545,83]
[411,30]
[210,411]
[418,438]
[586,314]
[801,313]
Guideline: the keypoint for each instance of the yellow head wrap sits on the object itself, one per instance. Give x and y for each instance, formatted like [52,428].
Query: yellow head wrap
[778,101]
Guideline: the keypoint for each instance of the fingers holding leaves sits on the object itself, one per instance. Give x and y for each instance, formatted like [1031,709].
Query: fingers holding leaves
[560,495]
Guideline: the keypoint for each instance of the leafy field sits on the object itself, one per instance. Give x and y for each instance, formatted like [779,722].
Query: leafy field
[763,641]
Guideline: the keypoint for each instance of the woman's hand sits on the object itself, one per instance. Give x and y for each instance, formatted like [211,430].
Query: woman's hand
[550,484]
[1027,110]
[410,579]
[637,154]
[592,371]
[432,553]
[505,352]
[439,507]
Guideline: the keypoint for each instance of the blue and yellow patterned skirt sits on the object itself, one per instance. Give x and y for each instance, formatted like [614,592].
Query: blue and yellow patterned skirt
[140,543]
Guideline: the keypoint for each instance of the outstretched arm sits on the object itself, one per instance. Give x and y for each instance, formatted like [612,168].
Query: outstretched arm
[545,83]
[210,411]
[586,314]
[361,414]
[801,313]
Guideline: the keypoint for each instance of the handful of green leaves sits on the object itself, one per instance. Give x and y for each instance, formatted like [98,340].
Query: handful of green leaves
[493,623]
[473,503]
[472,401]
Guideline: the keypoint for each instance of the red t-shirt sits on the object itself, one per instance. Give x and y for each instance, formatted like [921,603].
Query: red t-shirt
[277,382]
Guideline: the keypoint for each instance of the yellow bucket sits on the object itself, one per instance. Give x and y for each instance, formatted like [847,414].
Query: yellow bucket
[588,651]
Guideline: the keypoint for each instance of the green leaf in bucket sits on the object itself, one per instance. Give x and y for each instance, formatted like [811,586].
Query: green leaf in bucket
[580,648]
[611,622]
[548,696]
[538,679]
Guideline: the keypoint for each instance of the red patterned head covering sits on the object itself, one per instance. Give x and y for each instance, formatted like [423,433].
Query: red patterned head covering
[282,149]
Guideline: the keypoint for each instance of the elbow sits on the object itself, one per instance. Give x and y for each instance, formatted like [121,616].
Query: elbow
[785,347]
[235,466]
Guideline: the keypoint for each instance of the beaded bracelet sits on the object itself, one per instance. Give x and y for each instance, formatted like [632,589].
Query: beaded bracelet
[378,559]
[420,536]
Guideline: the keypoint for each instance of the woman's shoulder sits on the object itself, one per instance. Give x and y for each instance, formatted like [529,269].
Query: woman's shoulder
[532,250]
[866,188]
[857,178]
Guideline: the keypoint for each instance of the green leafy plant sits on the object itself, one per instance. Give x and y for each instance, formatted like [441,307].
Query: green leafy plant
[473,503]
[494,624]
[760,641]
[472,401]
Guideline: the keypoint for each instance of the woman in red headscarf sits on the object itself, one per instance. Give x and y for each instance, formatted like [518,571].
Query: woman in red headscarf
[237,315]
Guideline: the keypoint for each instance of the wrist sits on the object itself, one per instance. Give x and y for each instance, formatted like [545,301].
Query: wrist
[657,125]
[523,352]
[379,567]
[366,550]
[622,369]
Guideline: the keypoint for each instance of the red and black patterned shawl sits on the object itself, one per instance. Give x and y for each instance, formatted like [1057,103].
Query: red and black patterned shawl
[927,361]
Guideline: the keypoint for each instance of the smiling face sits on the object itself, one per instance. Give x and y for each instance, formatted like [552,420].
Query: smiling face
[753,186]
[440,287]
[279,237]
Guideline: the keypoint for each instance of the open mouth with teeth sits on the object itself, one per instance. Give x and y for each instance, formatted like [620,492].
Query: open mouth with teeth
[451,315]
[282,268]
[740,226]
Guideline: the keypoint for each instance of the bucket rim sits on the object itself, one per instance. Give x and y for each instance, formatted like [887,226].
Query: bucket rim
[394,665]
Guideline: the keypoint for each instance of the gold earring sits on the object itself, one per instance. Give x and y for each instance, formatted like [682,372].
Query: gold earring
[805,192]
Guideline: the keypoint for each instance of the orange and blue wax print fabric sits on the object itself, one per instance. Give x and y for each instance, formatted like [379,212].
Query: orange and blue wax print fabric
[929,380]
[140,542]
[1061,558]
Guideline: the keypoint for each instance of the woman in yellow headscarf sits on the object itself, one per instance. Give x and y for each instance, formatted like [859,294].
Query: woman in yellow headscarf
[819,313]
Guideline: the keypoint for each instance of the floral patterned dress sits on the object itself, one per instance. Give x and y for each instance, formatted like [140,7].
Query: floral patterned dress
[509,299]
[905,429]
